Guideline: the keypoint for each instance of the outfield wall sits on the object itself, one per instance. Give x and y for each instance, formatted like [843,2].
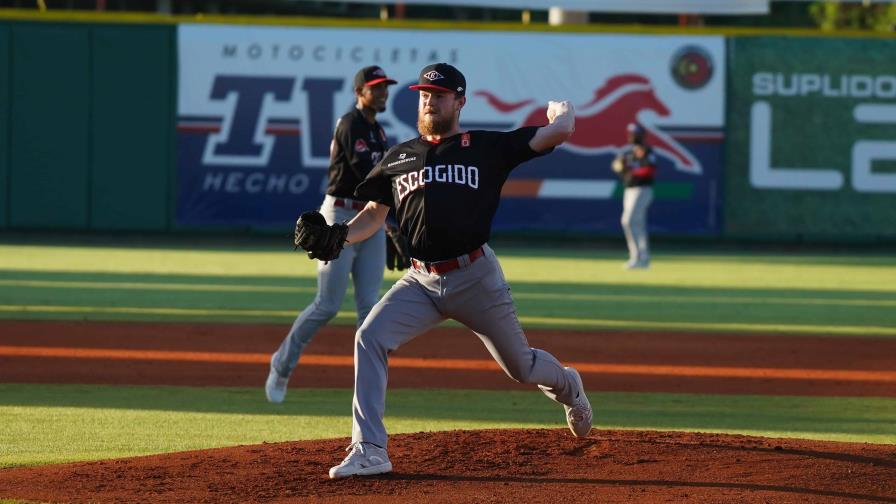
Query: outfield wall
[90,126]
[811,138]
[102,131]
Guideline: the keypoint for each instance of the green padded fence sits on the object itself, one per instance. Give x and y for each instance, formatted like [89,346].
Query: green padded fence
[92,110]
[49,148]
[4,126]
[133,126]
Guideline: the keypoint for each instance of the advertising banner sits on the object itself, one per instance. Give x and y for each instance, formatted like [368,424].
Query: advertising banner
[812,139]
[257,107]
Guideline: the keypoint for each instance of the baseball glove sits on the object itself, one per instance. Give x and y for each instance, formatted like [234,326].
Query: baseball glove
[397,255]
[320,240]
[618,166]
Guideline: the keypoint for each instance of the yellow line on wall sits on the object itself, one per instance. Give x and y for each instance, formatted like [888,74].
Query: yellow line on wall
[120,17]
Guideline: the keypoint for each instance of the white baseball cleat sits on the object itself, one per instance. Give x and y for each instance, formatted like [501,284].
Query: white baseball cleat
[364,459]
[579,415]
[275,386]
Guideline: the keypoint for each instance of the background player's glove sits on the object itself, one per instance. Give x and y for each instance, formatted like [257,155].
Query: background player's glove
[397,255]
[618,166]
[320,240]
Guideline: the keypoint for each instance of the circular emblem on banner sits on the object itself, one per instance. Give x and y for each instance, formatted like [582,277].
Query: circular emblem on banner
[691,67]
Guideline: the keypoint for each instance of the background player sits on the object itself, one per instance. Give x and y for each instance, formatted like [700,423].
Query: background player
[358,144]
[636,166]
[445,187]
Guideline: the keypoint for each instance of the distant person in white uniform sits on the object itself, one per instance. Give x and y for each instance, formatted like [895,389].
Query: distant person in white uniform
[636,166]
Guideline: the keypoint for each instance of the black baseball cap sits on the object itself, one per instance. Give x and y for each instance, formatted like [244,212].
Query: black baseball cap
[441,77]
[371,76]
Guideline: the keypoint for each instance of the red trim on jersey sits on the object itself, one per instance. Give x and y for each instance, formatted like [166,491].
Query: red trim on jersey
[648,171]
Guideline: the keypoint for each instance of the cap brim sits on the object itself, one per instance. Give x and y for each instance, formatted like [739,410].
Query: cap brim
[431,87]
[374,82]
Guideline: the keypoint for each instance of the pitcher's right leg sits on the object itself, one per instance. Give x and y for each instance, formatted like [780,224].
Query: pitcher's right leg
[403,313]
[485,305]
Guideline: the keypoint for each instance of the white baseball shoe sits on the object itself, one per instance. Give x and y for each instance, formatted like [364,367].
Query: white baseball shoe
[579,415]
[364,459]
[275,386]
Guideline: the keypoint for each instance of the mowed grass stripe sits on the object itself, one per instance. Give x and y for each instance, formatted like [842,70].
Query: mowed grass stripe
[58,423]
[539,321]
[154,286]
[840,330]
[140,310]
[454,364]
[743,270]
[238,288]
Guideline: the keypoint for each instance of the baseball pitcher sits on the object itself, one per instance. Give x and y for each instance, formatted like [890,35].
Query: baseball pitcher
[445,187]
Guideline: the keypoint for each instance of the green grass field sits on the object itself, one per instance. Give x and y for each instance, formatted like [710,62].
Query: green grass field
[98,422]
[788,294]
[799,294]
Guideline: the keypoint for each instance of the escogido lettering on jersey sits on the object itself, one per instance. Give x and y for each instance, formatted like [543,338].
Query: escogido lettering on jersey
[447,174]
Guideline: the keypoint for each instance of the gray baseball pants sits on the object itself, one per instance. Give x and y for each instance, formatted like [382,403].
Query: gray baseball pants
[364,261]
[477,296]
[635,202]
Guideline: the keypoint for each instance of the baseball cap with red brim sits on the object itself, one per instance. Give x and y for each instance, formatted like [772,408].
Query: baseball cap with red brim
[371,76]
[441,78]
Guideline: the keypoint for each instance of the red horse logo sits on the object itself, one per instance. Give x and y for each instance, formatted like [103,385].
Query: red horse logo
[600,123]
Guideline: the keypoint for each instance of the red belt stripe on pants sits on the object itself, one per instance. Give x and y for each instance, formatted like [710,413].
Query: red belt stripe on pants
[442,267]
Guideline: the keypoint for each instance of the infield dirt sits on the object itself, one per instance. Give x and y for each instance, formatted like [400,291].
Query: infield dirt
[469,466]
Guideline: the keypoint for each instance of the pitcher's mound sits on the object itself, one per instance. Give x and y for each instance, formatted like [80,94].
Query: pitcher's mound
[514,466]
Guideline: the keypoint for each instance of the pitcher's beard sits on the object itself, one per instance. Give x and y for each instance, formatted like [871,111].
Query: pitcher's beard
[429,125]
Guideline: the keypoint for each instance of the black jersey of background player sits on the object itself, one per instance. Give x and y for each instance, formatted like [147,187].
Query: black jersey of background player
[638,171]
[445,194]
[357,147]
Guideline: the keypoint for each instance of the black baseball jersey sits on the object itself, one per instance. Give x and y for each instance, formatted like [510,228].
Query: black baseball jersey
[638,171]
[445,194]
[357,147]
